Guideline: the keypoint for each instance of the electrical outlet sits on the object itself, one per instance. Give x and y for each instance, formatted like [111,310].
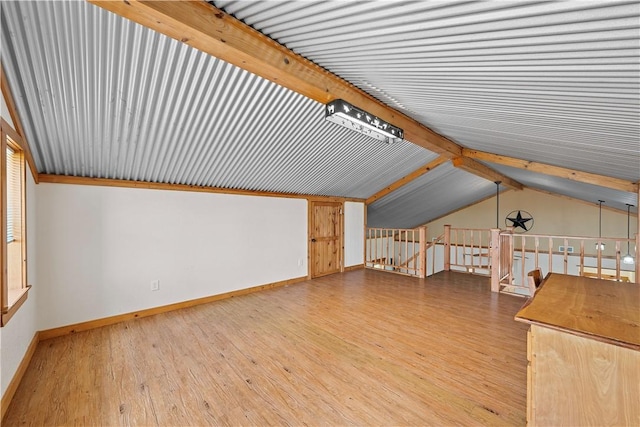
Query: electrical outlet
[299,262]
[155,285]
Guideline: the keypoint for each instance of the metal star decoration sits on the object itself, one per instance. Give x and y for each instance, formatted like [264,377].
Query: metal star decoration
[520,220]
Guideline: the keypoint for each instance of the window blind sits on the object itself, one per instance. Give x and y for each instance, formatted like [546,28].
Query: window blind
[14,204]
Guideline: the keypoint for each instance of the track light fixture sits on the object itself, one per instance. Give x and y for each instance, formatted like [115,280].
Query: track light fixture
[344,114]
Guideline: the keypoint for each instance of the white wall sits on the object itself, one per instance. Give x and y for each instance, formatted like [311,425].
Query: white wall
[353,233]
[99,248]
[93,252]
[554,215]
[17,334]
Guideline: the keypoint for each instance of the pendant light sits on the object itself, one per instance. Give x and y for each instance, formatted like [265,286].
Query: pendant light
[599,243]
[628,258]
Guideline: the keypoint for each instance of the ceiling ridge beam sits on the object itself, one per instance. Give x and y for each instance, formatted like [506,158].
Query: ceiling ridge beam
[211,30]
[407,179]
[472,166]
[557,171]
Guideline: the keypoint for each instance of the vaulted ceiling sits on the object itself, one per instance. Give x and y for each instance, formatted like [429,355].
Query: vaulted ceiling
[230,95]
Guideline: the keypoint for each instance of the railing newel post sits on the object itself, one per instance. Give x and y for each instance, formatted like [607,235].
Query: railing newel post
[422,238]
[447,248]
[495,260]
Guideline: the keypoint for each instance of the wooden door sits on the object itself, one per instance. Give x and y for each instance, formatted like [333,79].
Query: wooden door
[325,237]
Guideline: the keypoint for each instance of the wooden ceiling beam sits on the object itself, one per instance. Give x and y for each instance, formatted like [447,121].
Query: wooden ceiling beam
[211,30]
[474,167]
[126,183]
[572,174]
[407,179]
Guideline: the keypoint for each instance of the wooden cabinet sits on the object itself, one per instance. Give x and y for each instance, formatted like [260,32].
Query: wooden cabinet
[584,353]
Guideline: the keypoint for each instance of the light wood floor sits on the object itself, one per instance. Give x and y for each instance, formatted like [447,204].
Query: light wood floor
[361,348]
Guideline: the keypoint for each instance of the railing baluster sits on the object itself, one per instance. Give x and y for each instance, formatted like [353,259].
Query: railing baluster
[471,249]
[480,253]
[402,257]
[370,253]
[413,251]
[523,254]
[377,246]
[464,247]
[405,242]
[375,240]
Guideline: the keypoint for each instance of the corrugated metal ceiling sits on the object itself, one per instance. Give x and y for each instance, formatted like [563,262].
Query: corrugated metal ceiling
[108,98]
[577,190]
[553,82]
[443,190]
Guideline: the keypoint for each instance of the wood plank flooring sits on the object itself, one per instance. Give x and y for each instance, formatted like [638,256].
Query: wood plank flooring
[360,348]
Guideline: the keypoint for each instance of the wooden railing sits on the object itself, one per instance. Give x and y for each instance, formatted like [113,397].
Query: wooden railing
[397,250]
[402,251]
[502,258]
[467,250]
[501,254]
[434,255]
[572,255]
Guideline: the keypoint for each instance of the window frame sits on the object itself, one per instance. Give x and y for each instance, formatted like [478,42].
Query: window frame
[9,306]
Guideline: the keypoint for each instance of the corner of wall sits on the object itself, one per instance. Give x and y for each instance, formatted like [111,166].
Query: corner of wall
[18,335]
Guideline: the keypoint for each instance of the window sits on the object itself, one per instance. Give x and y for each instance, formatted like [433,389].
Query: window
[14,246]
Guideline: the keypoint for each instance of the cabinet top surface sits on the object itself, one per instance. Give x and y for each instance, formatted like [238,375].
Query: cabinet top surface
[604,309]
